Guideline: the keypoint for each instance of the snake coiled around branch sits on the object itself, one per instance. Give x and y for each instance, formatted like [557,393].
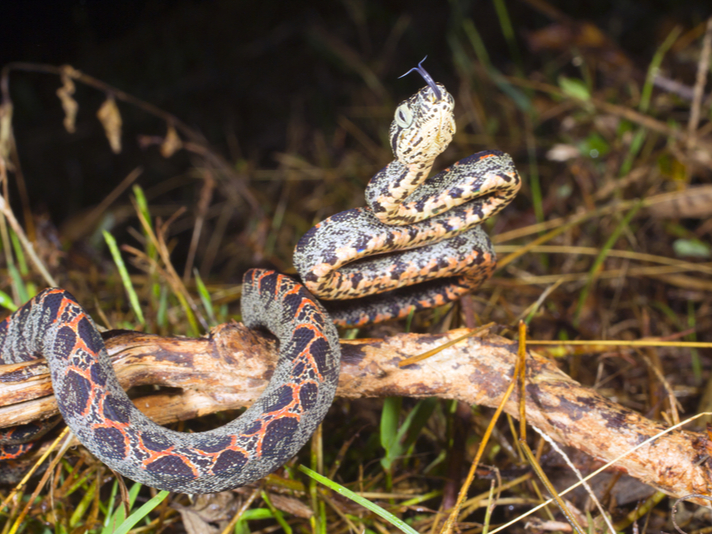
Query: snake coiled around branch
[418,244]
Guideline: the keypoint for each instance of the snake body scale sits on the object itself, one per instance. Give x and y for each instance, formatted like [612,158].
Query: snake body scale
[418,244]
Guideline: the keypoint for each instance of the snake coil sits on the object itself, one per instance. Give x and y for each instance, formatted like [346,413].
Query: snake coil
[418,244]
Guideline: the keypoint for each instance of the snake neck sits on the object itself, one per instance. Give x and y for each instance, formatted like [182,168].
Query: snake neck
[389,187]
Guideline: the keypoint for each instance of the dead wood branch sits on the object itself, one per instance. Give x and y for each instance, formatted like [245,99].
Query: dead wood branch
[230,368]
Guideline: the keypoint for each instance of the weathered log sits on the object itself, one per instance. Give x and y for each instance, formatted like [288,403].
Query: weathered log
[230,368]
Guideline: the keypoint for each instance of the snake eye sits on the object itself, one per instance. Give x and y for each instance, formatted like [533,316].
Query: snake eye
[404,117]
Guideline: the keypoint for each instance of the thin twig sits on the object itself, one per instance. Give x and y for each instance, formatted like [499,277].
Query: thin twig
[703,67]
[66,432]
[206,195]
[96,212]
[5,208]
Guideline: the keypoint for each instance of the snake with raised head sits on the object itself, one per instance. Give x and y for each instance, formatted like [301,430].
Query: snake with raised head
[418,244]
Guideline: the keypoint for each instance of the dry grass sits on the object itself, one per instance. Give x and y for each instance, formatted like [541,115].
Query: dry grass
[610,240]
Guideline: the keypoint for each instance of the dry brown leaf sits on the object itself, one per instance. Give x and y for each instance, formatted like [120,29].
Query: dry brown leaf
[210,513]
[110,119]
[195,524]
[7,140]
[290,505]
[562,152]
[535,523]
[693,203]
[171,143]
[69,105]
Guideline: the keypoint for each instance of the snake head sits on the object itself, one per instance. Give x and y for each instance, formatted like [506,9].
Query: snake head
[424,124]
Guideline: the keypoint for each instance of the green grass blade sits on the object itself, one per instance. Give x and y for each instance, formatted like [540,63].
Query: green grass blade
[7,302]
[142,204]
[142,512]
[112,496]
[205,298]
[574,88]
[654,68]
[400,440]
[390,416]
[19,254]
[602,257]
[645,97]
[125,278]
[534,183]
[119,514]
[192,321]
[84,504]
[18,283]
[518,97]
[508,31]
[416,421]
[162,313]
[393,520]
[255,514]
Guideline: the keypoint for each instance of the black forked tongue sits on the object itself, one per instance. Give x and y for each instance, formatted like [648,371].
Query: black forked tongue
[420,70]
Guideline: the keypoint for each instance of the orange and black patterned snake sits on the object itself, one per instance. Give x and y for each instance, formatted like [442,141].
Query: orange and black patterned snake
[418,244]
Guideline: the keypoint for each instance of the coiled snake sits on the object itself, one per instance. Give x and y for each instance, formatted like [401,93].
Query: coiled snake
[422,231]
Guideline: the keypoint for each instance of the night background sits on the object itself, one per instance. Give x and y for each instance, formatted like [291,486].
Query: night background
[282,111]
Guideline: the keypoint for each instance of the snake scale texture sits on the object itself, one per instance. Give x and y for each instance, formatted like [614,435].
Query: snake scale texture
[418,244]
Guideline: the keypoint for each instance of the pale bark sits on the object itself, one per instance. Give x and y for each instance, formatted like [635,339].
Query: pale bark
[230,368]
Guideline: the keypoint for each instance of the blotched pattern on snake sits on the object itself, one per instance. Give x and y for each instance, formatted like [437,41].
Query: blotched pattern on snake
[418,244]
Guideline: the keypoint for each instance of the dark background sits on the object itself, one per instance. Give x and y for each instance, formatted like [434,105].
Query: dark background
[262,78]
[240,69]
[265,79]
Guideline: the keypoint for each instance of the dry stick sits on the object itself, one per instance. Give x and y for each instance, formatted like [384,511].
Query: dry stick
[31,501]
[627,113]
[22,189]
[703,67]
[340,512]
[575,470]
[672,400]
[674,511]
[157,239]
[29,249]
[431,353]
[39,462]
[621,344]
[534,306]
[206,195]
[245,506]
[613,253]
[578,218]
[97,212]
[615,461]
[216,237]
[541,240]
[614,109]
[666,274]
[4,233]
[231,367]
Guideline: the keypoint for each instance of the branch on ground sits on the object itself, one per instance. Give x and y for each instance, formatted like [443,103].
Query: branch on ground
[230,368]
